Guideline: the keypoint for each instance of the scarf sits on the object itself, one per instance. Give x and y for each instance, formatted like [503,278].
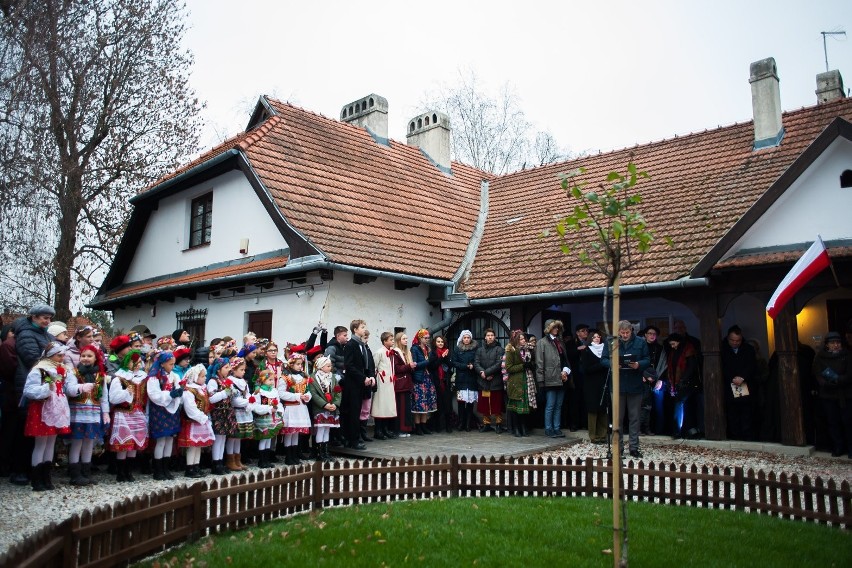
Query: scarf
[324,380]
[441,370]
[596,348]
[677,364]
[88,373]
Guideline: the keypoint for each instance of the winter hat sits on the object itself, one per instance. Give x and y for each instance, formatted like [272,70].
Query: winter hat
[551,323]
[176,335]
[675,337]
[246,350]
[42,310]
[832,336]
[118,343]
[181,354]
[52,348]
[56,328]
[462,334]
[321,362]
[580,326]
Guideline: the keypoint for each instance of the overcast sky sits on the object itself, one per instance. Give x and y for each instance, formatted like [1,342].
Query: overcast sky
[598,75]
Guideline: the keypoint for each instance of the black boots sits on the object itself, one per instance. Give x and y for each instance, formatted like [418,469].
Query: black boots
[123,474]
[37,478]
[218,467]
[364,436]
[193,471]
[292,456]
[77,477]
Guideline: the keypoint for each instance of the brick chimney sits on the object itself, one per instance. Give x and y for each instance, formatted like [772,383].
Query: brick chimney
[829,86]
[430,132]
[370,112]
[766,103]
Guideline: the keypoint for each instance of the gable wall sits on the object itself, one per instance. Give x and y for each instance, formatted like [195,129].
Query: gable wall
[237,214]
[813,204]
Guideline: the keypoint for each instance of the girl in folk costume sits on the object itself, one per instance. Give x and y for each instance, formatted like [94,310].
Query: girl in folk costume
[424,397]
[520,386]
[403,384]
[293,392]
[88,398]
[48,413]
[164,398]
[220,389]
[384,401]
[273,363]
[196,430]
[128,398]
[326,395]
[268,415]
[245,420]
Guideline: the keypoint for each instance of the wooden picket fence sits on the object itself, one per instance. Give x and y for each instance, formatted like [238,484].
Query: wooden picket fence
[118,534]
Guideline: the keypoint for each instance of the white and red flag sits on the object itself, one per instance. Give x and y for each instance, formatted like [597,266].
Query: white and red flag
[814,261]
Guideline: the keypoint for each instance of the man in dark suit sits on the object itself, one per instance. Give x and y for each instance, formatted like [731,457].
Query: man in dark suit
[360,373]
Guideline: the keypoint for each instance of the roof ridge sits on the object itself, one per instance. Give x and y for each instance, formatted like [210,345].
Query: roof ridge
[256,134]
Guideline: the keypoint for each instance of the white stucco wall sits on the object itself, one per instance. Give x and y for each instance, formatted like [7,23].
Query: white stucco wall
[813,204]
[237,214]
[337,302]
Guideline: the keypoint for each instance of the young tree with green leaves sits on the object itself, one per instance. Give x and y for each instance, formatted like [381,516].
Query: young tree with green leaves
[606,230]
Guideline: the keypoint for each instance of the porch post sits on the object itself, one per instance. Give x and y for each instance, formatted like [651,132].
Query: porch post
[715,422]
[786,347]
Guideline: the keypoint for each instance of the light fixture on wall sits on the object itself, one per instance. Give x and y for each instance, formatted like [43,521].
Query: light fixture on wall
[306,291]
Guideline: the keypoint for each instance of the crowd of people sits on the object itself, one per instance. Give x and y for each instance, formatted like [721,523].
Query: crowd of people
[147,399]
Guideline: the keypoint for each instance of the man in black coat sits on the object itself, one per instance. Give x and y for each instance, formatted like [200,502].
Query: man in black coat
[360,374]
[739,363]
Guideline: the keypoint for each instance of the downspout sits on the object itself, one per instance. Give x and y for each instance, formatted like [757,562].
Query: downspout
[469,255]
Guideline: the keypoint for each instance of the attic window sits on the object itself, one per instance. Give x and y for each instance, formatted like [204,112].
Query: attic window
[411,127]
[846,179]
[427,121]
[371,103]
[434,119]
[201,220]
[419,123]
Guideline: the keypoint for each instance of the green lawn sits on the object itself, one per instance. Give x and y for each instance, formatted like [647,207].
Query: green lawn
[517,531]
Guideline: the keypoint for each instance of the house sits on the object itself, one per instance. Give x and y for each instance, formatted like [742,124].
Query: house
[303,218]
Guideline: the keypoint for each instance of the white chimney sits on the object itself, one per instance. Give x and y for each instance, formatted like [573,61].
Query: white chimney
[370,112]
[431,133]
[829,87]
[766,103]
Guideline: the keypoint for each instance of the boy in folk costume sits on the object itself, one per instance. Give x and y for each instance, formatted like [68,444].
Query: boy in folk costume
[293,392]
[164,398]
[48,413]
[88,398]
[128,398]
[325,402]
[220,389]
[245,420]
[268,415]
[196,429]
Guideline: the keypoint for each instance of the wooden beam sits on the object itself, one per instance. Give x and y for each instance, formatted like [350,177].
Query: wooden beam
[714,395]
[786,348]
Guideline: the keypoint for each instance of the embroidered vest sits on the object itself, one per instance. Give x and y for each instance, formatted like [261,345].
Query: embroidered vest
[140,395]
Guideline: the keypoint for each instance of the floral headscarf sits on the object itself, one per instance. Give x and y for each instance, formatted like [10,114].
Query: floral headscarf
[420,333]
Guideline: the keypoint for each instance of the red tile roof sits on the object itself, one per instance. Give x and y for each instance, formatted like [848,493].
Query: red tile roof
[777,257]
[700,185]
[242,269]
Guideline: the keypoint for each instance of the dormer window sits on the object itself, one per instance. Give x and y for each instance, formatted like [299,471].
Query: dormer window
[201,220]
[846,179]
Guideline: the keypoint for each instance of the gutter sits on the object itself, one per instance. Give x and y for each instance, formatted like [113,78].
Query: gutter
[214,161]
[315,262]
[628,289]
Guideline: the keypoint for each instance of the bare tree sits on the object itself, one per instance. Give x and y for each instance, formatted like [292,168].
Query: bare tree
[492,133]
[94,105]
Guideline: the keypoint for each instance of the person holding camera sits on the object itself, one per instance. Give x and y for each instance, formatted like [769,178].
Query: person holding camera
[834,375]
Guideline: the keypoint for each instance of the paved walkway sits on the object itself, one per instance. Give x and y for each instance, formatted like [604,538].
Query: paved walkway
[490,444]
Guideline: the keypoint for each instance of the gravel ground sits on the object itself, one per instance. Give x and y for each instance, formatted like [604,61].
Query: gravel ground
[23,512]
